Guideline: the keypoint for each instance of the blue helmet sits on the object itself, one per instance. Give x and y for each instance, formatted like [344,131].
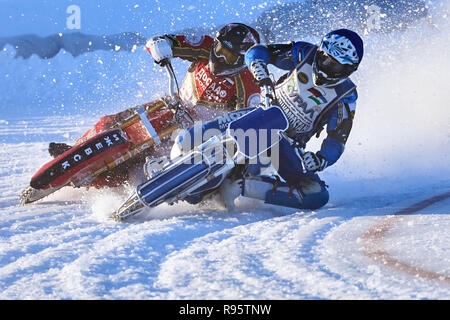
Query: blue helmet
[338,56]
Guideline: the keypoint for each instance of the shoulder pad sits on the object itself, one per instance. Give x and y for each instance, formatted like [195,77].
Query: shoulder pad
[257,52]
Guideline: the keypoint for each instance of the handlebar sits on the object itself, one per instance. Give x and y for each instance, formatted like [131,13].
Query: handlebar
[267,96]
[182,117]
[173,82]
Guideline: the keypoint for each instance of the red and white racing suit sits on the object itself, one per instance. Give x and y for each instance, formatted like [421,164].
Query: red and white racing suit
[203,95]
[207,95]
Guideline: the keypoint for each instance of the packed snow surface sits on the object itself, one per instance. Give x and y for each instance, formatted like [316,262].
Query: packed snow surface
[383,235]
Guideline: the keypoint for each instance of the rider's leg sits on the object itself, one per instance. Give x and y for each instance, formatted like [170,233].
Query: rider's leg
[310,193]
[299,189]
[55,149]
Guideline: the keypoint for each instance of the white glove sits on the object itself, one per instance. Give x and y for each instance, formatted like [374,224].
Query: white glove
[314,161]
[161,48]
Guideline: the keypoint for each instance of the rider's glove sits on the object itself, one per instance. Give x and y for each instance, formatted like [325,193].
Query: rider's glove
[260,73]
[161,49]
[314,161]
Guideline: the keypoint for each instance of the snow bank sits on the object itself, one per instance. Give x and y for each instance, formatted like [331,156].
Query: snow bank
[75,43]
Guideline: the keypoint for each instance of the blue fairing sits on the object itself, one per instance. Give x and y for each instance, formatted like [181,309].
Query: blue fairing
[168,184]
[201,132]
[261,123]
[258,130]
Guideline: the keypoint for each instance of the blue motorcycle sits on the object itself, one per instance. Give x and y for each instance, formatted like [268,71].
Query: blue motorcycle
[203,167]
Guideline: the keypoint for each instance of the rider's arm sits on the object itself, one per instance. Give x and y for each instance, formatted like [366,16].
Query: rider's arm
[283,56]
[338,129]
[185,47]
[190,47]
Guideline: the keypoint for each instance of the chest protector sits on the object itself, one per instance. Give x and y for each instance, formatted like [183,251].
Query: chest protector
[201,88]
[305,104]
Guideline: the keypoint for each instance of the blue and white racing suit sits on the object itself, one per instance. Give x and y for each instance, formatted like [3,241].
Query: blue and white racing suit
[309,109]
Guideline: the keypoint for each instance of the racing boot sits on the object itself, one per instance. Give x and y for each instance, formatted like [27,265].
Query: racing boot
[56,149]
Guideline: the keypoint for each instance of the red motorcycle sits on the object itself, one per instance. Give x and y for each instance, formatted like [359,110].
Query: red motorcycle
[104,152]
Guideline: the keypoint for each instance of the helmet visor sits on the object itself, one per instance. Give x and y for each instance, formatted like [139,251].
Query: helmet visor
[223,52]
[331,67]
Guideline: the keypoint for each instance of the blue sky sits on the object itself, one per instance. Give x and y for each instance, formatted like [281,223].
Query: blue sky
[45,17]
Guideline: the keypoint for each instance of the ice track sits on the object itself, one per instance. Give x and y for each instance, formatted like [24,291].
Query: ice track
[66,248]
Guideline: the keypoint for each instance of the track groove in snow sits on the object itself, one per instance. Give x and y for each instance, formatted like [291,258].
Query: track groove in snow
[373,242]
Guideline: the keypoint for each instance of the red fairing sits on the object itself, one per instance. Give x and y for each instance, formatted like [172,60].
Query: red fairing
[81,160]
[160,120]
[136,132]
[92,151]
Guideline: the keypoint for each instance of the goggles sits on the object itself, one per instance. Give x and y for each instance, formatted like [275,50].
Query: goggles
[223,52]
[331,67]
